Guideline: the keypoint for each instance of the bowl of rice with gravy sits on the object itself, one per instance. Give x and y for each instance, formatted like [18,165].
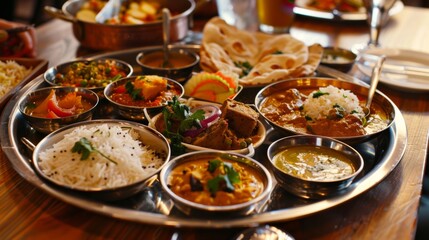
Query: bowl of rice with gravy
[104,159]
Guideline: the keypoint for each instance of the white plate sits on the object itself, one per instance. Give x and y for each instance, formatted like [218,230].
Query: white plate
[302,8]
[398,58]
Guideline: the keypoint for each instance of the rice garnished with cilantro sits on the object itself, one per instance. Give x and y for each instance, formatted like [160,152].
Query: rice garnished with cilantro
[11,73]
[119,158]
[320,102]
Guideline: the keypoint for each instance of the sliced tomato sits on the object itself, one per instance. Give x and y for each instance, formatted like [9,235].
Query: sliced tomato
[51,115]
[59,111]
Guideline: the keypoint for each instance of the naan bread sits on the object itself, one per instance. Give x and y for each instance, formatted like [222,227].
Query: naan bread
[272,57]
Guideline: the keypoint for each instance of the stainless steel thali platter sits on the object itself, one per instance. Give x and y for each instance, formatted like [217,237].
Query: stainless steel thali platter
[153,206]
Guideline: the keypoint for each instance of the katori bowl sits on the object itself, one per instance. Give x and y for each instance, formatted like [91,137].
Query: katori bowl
[314,167]
[182,62]
[52,116]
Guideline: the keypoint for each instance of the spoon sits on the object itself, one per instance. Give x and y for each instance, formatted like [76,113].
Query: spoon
[264,233]
[375,77]
[166,36]
[110,10]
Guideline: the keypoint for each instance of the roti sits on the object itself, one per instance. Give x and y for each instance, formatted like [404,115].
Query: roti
[255,58]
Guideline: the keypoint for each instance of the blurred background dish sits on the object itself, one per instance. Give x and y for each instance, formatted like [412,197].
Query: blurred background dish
[33,68]
[48,109]
[303,8]
[314,167]
[338,58]
[114,37]
[405,70]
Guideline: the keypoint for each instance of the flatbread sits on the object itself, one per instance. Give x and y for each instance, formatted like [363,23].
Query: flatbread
[272,57]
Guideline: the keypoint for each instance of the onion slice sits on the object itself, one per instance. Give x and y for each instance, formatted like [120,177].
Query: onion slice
[212,113]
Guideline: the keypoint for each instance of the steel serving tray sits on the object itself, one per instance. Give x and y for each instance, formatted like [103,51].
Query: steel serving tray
[153,206]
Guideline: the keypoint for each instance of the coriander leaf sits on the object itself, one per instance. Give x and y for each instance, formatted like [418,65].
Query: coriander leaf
[214,164]
[277,52]
[233,175]
[218,183]
[135,93]
[319,94]
[245,67]
[85,148]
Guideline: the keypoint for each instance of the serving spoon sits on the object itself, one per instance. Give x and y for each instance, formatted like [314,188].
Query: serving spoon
[375,77]
[110,10]
[166,37]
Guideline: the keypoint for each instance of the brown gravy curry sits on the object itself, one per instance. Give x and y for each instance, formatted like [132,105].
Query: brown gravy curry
[285,109]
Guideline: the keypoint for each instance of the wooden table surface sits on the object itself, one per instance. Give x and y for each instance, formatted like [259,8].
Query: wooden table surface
[387,211]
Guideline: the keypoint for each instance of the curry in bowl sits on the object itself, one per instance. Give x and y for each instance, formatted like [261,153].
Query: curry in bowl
[326,107]
[212,181]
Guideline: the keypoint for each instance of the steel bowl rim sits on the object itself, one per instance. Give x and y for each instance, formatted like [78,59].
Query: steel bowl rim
[57,87]
[348,139]
[135,108]
[207,208]
[171,48]
[320,138]
[126,66]
[95,190]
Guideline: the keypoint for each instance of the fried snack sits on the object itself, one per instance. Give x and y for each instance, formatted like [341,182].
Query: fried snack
[256,58]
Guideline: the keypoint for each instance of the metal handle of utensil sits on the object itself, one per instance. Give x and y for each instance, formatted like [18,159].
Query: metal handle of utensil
[57,13]
[375,77]
[166,31]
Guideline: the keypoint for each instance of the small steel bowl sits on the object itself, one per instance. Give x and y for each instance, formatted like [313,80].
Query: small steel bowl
[183,62]
[50,74]
[47,125]
[314,189]
[146,135]
[135,112]
[192,208]
[338,58]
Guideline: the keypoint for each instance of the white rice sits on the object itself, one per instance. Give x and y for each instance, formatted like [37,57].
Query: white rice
[134,160]
[11,73]
[318,108]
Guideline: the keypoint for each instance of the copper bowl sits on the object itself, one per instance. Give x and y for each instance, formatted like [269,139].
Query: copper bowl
[116,37]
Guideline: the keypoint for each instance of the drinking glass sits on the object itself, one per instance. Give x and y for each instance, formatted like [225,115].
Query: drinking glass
[378,15]
[275,16]
[239,13]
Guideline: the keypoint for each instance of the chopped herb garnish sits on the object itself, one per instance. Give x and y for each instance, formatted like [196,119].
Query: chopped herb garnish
[277,52]
[319,94]
[85,148]
[245,67]
[134,92]
[222,182]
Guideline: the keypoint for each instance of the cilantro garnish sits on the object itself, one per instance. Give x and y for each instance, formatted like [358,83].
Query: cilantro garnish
[222,182]
[245,67]
[178,113]
[134,92]
[85,148]
[319,94]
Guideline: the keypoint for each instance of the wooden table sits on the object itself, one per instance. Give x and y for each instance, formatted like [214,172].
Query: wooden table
[387,211]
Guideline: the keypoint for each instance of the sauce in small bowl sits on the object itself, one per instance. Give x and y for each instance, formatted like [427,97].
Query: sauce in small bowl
[314,167]
[182,63]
